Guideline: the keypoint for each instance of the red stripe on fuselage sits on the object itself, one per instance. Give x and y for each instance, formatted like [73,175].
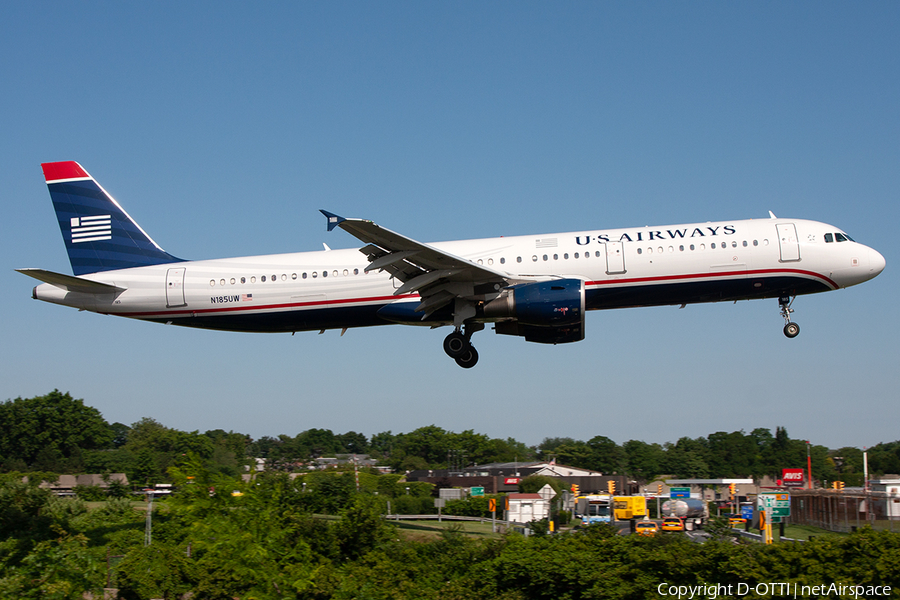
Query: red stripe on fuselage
[610,282]
[724,274]
[249,307]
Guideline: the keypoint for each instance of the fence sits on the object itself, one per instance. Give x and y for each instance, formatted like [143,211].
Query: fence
[845,511]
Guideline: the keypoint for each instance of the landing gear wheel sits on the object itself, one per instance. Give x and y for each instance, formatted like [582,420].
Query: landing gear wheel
[468,360]
[791,330]
[456,345]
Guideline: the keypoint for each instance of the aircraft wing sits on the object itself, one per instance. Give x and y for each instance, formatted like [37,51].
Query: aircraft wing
[438,276]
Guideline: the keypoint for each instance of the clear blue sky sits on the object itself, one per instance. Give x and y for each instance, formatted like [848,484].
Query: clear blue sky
[223,127]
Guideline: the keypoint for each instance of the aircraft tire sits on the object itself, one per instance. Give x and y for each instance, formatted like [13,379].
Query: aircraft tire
[456,345]
[468,360]
[791,330]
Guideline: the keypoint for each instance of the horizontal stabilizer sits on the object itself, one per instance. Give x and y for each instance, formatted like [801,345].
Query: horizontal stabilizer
[70,283]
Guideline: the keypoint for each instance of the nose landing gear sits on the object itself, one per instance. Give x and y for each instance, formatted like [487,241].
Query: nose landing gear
[458,345]
[791,329]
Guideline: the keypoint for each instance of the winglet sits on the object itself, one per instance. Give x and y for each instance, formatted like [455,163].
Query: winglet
[333,219]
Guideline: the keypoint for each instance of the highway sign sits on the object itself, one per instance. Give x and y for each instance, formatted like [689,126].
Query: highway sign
[478,491]
[680,492]
[778,505]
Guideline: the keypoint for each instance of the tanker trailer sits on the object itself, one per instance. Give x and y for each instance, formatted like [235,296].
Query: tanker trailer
[691,510]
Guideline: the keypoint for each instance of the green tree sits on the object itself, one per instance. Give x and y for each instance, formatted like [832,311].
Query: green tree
[49,431]
[643,461]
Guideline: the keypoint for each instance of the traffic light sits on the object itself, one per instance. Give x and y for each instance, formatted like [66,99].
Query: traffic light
[611,486]
[659,489]
[575,489]
[838,485]
[732,488]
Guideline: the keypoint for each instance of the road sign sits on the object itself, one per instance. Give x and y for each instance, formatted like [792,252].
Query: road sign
[478,491]
[778,505]
[680,492]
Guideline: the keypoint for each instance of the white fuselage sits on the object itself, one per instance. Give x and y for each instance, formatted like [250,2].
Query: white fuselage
[674,264]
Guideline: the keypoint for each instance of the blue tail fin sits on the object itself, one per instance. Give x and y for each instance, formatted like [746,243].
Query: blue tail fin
[99,234]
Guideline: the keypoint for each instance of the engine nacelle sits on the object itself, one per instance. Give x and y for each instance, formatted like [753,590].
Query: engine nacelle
[547,312]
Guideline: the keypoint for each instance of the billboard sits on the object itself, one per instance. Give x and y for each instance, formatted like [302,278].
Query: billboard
[792,477]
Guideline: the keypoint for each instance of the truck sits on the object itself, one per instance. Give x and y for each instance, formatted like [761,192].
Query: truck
[628,508]
[692,511]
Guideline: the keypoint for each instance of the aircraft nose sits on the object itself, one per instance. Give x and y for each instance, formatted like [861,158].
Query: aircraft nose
[876,262]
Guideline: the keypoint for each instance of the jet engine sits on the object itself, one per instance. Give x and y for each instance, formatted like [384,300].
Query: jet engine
[546,312]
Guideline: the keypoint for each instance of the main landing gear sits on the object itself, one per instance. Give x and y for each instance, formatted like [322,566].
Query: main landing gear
[791,329]
[458,345]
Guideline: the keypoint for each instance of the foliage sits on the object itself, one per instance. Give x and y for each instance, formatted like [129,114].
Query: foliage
[48,432]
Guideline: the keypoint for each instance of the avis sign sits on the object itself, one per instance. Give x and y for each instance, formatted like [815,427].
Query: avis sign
[792,477]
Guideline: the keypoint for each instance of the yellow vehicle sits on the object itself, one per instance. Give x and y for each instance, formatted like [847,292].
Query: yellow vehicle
[673,524]
[646,528]
[629,507]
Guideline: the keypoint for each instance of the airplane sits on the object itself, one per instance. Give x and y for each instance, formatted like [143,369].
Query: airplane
[534,286]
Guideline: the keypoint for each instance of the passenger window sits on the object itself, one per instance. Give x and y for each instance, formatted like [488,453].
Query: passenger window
[212,283]
[324,273]
[315,274]
[745,243]
[293,276]
[545,258]
[243,280]
[534,258]
[232,281]
[518,259]
[576,255]
[346,272]
[274,278]
[755,243]
[303,276]
[263,278]
[253,279]
[734,244]
[502,261]
[356,271]
[640,250]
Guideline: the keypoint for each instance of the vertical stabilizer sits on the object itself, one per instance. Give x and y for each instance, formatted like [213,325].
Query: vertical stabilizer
[99,234]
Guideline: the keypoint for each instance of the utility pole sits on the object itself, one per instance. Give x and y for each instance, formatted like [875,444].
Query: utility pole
[809,465]
[148,527]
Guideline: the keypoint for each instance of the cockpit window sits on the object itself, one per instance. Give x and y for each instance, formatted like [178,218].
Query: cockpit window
[840,237]
[829,238]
